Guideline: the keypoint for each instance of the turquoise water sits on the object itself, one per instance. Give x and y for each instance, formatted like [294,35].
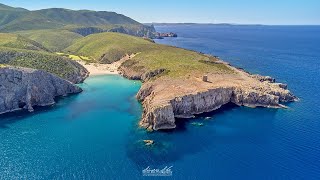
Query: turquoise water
[82,136]
[94,135]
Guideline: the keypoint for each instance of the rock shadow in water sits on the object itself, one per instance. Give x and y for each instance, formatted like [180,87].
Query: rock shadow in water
[229,126]
[172,145]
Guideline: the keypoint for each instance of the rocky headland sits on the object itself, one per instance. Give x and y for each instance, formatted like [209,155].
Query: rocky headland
[179,83]
[24,88]
[164,99]
[158,35]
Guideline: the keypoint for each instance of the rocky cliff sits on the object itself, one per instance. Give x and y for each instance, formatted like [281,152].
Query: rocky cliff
[55,64]
[134,30]
[165,99]
[23,88]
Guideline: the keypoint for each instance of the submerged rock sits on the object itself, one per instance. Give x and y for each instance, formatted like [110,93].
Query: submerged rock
[24,88]
[148,142]
[197,124]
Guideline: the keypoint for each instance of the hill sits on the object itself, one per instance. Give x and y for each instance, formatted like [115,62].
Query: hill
[20,42]
[49,62]
[18,19]
[8,14]
[110,47]
[55,40]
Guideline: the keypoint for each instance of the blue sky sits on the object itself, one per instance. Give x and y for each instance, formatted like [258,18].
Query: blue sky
[199,11]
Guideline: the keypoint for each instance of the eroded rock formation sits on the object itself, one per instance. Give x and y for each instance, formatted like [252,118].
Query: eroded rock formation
[23,88]
[165,99]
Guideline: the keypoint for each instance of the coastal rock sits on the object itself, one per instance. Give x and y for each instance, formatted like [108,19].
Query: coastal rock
[162,115]
[158,117]
[263,78]
[162,35]
[23,88]
[164,102]
[67,69]
[151,74]
[166,97]
[79,73]
[140,75]
[148,142]
[138,30]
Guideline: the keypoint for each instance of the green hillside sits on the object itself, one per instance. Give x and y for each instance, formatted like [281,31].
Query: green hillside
[54,40]
[109,47]
[81,21]
[4,7]
[85,17]
[8,14]
[131,29]
[58,65]
[20,42]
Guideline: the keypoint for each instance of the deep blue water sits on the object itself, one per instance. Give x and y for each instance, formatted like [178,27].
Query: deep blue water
[94,135]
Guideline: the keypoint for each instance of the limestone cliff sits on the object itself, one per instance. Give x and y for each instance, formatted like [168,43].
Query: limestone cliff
[165,99]
[23,88]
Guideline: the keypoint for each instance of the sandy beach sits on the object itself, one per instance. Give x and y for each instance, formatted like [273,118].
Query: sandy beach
[101,69]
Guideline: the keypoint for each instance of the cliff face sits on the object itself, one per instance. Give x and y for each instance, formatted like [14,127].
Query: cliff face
[134,30]
[165,99]
[161,115]
[78,74]
[22,88]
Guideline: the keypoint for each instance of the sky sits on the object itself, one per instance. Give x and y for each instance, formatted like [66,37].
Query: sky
[269,12]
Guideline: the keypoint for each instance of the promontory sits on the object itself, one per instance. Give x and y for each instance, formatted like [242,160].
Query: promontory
[179,83]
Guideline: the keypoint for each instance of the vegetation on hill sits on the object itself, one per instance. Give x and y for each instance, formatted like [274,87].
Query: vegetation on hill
[4,7]
[64,31]
[85,17]
[19,42]
[131,29]
[83,21]
[49,62]
[8,14]
[110,47]
[54,40]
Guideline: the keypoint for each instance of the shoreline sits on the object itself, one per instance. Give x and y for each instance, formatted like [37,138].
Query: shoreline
[96,69]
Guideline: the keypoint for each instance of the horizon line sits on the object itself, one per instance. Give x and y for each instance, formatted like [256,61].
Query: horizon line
[231,24]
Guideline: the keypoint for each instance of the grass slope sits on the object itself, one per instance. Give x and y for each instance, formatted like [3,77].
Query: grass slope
[19,42]
[109,47]
[18,19]
[49,62]
[55,40]
[83,22]
[4,7]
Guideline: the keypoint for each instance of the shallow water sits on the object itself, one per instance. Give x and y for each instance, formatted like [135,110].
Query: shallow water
[94,135]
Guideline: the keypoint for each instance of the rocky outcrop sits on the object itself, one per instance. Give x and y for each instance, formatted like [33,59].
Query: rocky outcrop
[170,93]
[162,115]
[162,35]
[140,74]
[78,74]
[263,78]
[55,64]
[165,100]
[134,30]
[23,88]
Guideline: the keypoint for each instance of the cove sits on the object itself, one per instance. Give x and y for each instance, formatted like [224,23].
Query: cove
[81,136]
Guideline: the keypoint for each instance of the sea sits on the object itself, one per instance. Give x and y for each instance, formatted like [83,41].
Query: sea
[95,134]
